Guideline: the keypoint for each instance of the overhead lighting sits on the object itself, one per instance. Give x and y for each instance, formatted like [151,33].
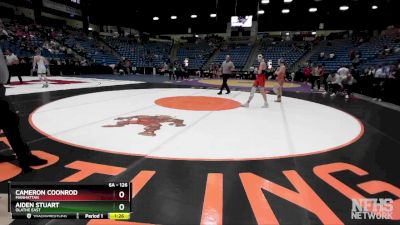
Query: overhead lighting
[173,17]
[313,33]
[285,11]
[287,34]
[312,10]
[287,1]
[344,7]
[193,16]
[260,12]
[213,15]
[264,1]
[196,35]
[156,18]
[374,7]
[90,28]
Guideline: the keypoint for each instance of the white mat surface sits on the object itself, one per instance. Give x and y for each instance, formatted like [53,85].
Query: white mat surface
[57,83]
[295,127]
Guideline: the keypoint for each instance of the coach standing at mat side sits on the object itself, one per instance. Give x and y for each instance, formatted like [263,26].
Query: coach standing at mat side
[227,68]
[9,123]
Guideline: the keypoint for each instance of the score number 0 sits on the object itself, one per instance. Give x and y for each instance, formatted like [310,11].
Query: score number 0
[121,194]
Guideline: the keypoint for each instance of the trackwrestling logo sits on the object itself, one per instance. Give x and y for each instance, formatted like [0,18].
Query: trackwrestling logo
[372,209]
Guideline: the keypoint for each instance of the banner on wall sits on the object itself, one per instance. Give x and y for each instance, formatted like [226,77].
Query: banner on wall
[62,8]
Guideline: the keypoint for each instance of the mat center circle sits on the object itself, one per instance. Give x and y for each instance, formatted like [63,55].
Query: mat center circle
[197,103]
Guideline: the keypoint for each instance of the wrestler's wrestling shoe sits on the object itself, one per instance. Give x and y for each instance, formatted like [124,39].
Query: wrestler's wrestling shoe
[265,105]
[245,105]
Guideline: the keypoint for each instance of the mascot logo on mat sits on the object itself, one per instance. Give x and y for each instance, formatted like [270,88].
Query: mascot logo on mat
[151,123]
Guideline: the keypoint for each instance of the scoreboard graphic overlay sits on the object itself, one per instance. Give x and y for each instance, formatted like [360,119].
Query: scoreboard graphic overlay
[70,201]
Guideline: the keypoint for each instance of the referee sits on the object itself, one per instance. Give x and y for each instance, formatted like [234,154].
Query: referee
[227,68]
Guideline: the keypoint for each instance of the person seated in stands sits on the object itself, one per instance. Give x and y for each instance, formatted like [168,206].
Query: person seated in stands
[84,63]
[359,54]
[360,41]
[321,56]
[352,55]
[332,56]
[356,61]
[3,32]
[69,52]
[369,71]
[384,51]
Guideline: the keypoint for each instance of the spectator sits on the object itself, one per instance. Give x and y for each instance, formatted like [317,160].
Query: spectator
[127,66]
[299,76]
[380,73]
[167,71]
[352,55]
[348,83]
[321,56]
[316,77]
[307,73]
[396,74]
[334,84]
[343,72]
[356,61]
[12,64]
[378,84]
[323,76]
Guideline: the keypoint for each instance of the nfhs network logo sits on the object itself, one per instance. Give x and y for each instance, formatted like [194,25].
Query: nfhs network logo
[372,208]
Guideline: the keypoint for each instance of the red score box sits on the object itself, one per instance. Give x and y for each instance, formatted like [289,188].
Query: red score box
[69,193]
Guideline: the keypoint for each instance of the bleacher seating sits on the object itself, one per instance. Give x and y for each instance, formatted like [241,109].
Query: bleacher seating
[239,55]
[281,50]
[24,39]
[142,55]
[341,50]
[388,60]
[25,43]
[91,49]
[197,53]
[369,53]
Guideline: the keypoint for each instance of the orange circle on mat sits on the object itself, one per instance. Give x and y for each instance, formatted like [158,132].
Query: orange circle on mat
[198,103]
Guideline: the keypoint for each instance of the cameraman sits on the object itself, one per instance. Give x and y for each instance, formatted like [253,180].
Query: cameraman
[9,123]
